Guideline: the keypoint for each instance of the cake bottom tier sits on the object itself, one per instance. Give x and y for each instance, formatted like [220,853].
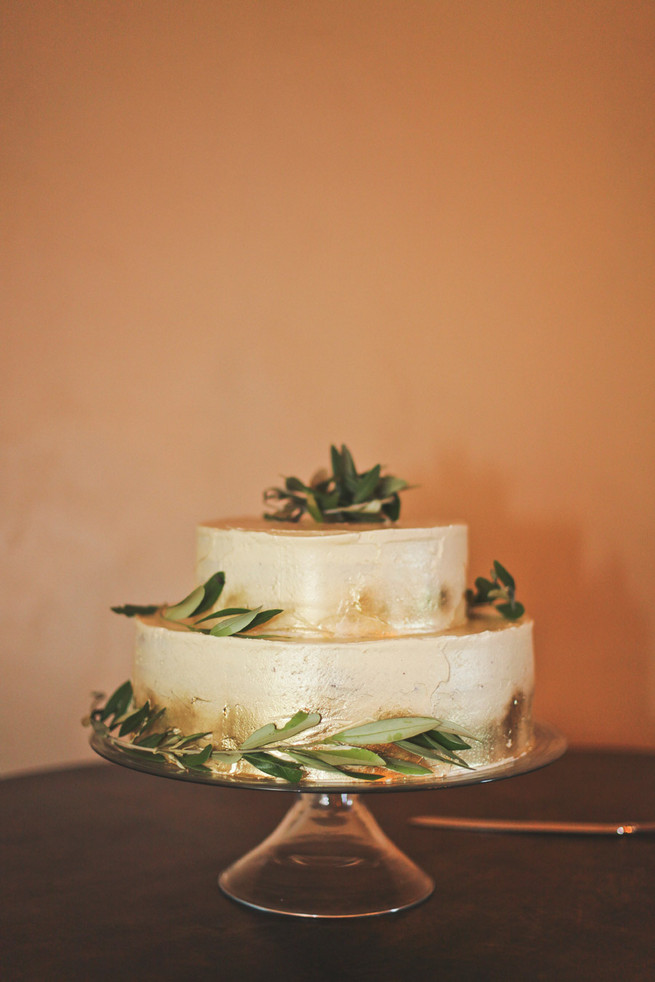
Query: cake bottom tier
[478,679]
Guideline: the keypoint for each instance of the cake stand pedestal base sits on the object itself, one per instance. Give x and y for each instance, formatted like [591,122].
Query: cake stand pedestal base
[328,857]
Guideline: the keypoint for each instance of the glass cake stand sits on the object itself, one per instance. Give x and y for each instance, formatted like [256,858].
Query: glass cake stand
[328,857]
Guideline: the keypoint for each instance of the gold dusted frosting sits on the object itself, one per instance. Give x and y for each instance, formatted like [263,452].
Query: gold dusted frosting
[475,676]
[373,627]
[340,581]
[310,647]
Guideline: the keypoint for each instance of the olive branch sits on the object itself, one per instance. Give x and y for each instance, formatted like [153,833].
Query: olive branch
[501,587]
[368,752]
[229,621]
[345,495]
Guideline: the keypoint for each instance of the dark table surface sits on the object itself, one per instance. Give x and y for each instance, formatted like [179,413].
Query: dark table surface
[111,874]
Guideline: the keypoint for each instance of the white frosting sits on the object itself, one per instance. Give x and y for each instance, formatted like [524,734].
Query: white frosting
[336,581]
[479,677]
[373,626]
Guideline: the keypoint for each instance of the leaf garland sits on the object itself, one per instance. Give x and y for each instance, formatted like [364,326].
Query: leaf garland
[398,745]
[230,620]
[138,736]
[349,750]
[343,496]
[501,587]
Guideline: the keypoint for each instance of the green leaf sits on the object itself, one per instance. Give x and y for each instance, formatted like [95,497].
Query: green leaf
[505,578]
[270,733]
[195,759]
[360,775]
[386,730]
[500,593]
[392,508]
[262,737]
[197,602]
[134,610]
[366,485]
[294,484]
[185,608]
[311,759]
[226,756]
[274,766]
[461,762]
[501,588]
[511,611]
[223,613]
[401,766]
[451,741]
[213,588]
[119,702]
[389,485]
[299,722]
[350,757]
[133,722]
[483,586]
[263,616]
[307,758]
[348,469]
[337,464]
[313,509]
[428,742]
[151,740]
[421,751]
[141,753]
[429,747]
[327,500]
[232,625]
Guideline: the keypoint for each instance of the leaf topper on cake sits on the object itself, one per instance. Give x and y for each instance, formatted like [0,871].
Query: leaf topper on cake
[229,621]
[345,495]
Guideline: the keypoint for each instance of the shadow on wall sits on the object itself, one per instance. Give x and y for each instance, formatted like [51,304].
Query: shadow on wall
[591,635]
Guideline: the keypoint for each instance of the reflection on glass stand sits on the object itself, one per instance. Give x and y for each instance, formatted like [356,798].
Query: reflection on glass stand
[328,856]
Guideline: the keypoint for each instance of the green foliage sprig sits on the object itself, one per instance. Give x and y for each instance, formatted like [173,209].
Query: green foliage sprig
[229,621]
[343,496]
[500,591]
[134,732]
[368,752]
[383,745]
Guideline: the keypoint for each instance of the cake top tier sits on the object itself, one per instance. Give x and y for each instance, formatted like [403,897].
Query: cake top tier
[336,581]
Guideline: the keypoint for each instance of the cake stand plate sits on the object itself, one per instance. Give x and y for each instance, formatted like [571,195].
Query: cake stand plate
[328,857]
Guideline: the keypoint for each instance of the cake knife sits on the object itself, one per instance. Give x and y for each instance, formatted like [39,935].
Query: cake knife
[532,825]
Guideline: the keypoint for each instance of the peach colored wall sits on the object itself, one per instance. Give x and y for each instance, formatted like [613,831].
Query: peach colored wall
[238,231]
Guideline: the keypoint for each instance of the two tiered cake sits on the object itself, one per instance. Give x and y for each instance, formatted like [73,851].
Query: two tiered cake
[317,646]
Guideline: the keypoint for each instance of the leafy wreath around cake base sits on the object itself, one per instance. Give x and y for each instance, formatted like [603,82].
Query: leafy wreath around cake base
[369,752]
